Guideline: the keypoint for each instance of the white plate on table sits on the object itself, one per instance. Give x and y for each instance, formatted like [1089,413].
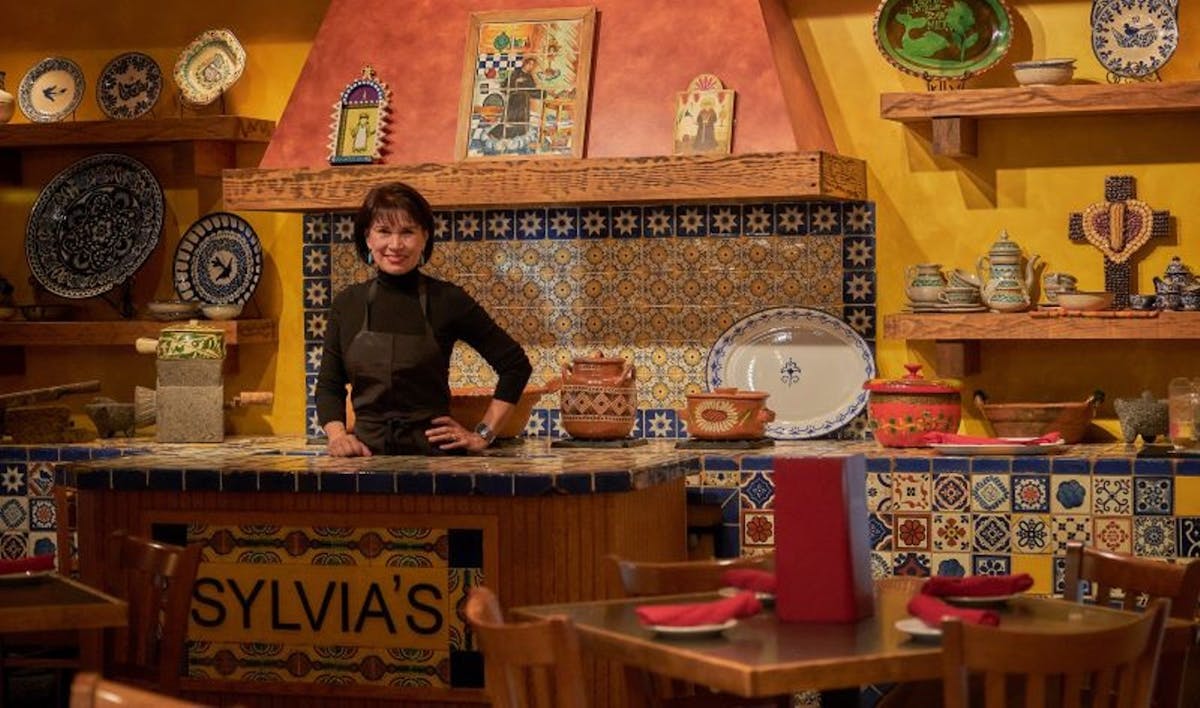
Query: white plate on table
[698,630]
[918,630]
[1017,446]
[979,599]
[763,597]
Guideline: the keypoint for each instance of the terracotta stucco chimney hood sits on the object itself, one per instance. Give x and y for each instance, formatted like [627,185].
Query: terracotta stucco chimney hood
[644,53]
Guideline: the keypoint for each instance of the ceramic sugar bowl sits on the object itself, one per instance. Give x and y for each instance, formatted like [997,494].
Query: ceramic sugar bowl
[902,410]
[599,397]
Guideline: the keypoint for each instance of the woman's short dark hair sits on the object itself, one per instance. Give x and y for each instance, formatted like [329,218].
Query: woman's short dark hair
[394,196]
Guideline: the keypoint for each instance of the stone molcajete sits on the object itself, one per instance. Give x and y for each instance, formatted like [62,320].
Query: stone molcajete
[110,417]
[1145,416]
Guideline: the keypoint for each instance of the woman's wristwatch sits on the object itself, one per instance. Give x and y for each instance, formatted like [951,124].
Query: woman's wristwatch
[485,431]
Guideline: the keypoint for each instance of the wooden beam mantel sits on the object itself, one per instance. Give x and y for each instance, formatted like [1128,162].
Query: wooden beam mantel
[482,183]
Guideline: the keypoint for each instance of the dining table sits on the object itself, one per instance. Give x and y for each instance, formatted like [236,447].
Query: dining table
[762,656]
[49,602]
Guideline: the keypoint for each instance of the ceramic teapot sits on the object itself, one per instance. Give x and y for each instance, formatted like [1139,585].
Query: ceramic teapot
[599,397]
[1177,278]
[1009,280]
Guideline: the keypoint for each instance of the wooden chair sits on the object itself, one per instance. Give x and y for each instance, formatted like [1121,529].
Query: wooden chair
[91,691]
[529,664]
[1057,669]
[647,578]
[1141,580]
[156,580]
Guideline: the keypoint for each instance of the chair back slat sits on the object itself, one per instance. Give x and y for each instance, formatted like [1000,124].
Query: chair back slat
[1052,676]
[644,578]
[156,580]
[528,664]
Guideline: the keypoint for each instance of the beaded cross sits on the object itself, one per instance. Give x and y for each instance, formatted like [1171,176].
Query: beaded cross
[1118,227]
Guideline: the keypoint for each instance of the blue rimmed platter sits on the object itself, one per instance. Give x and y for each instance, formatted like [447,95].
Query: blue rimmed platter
[51,90]
[208,66]
[1134,38]
[812,364]
[94,225]
[129,86]
[219,260]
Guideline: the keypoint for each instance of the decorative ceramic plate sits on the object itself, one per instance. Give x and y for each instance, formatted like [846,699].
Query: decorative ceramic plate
[813,366]
[1016,448]
[209,66]
[218,260]
[129,86]
[980,599]
[917,629]
[94,225]
[51,90]
[946,39]
[698,630]
[1134,38]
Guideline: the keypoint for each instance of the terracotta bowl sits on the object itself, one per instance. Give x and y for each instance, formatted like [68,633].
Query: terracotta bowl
[727,414]
[467,406]
[1031,420]
[1098,300]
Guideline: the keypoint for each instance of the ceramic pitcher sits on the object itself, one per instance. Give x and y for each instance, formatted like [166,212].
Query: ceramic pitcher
[924,282]
[599,397]
[1009,279]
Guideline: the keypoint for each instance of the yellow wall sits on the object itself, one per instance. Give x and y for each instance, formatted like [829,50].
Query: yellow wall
[1030,174]
[276,36]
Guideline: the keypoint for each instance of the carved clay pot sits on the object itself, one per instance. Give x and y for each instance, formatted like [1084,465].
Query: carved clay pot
[727,414]
[599,397]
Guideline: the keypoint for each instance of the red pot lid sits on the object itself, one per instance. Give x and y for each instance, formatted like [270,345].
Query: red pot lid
[912,382]
[726,393]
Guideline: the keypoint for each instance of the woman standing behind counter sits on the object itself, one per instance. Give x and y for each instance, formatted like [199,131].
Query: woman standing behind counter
[391,338]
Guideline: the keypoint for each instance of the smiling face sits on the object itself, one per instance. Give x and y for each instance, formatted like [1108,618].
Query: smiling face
[396,242]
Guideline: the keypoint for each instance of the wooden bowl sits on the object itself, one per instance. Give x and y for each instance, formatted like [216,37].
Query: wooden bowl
[1031,420]
[1098,300]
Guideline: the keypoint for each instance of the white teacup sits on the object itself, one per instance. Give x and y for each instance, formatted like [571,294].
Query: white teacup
[960,296]
[960,278]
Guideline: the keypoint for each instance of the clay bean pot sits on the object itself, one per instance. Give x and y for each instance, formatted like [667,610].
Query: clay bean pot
[599,397]
[727,414]
[904,409]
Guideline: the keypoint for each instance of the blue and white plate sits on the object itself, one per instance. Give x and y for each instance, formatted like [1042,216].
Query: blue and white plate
[1134,38]
[129,86]
[812,364]
[94,225]
[218,260]
[51,90]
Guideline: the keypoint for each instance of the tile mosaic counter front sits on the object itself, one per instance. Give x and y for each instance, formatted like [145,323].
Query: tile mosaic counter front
[928,514]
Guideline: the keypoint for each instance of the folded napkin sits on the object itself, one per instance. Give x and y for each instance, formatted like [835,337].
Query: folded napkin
[931,610]
[27,565]
[936,438]
[744,604]
[750,579]
[977,585]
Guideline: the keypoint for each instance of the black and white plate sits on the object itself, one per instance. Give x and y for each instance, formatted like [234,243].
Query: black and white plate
[94,225]
[51,90]
[129,86]
[219,260]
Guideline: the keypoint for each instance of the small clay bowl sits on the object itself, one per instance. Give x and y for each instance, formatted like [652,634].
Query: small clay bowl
[1097,300]
[1044,72]
[168,310]
[221,311]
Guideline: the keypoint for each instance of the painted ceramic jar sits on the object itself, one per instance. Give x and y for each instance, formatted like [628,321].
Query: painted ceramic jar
[902,410]
[185,341]
[924,282]
[727,414]
[599,397]
[7,103]
[1007,270]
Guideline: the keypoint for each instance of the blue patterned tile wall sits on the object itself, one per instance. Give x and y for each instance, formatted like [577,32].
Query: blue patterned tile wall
[656,284]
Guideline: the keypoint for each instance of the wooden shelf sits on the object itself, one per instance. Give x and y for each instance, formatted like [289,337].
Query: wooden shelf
[482,183]
[957,336]
[121,332]
[97,133]
[953,114]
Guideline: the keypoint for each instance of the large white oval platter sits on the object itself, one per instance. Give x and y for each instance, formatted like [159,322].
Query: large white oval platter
[812,364]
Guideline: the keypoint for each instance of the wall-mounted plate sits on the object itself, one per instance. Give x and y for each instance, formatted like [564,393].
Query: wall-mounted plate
[1134,38]
[208,66]
[51,90]
[943,39]
[129,86]
[219,259]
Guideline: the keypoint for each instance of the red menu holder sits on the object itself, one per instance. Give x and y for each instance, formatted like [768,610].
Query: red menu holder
[822,554]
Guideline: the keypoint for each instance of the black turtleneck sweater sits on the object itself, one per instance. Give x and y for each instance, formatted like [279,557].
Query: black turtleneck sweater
[453,314]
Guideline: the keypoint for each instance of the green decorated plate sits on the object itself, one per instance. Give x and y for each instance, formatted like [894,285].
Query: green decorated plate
[943,39]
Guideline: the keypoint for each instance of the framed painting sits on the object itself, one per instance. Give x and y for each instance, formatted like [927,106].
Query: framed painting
[525,83]
[360,121]
[704,118]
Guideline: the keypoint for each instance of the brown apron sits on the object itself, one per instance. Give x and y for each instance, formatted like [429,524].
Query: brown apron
[399,382]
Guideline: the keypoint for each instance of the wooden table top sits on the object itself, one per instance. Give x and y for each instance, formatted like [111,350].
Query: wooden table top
[49,601]
[762,656]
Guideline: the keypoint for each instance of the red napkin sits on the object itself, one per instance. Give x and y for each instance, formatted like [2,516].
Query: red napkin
[32,565]
[750,579]
[931,610]
[936,438]
[977,585]
[744,604]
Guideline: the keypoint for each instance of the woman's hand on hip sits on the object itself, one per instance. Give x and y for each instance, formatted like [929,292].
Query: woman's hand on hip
[347,445]
[448,434]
